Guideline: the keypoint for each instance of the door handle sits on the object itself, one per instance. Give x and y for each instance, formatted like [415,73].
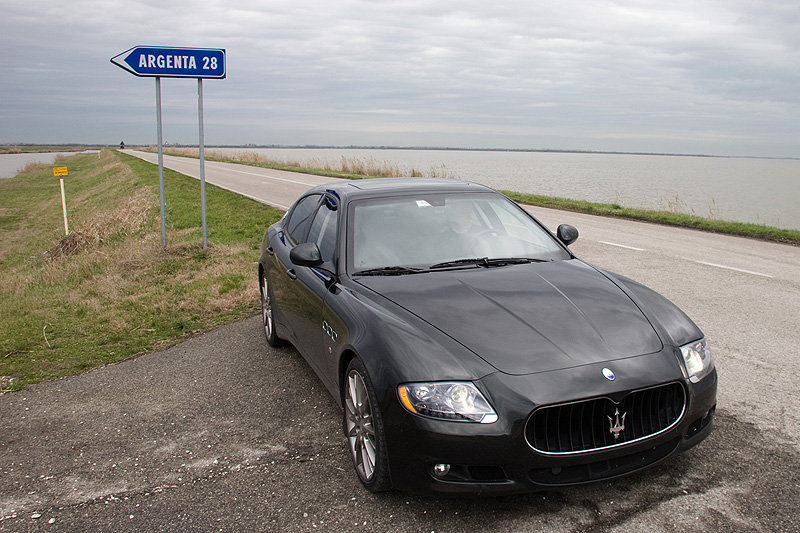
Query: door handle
[291,273]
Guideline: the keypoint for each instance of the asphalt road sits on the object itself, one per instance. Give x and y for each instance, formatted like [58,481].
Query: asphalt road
[223,433]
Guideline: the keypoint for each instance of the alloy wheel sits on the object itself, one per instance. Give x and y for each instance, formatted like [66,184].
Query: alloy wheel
[360,427]
[266,309]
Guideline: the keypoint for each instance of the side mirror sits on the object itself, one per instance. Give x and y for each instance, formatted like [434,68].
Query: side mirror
[567,234]
[306,254]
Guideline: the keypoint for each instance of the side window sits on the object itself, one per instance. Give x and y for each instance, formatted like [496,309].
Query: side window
[323,231]
[300,218]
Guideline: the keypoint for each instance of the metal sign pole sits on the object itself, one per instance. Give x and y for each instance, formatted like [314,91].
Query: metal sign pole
[61,172]
[160,165]
[64,206]
[202,160]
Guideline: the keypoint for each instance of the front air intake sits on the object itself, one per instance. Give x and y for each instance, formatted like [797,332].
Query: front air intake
[599,423]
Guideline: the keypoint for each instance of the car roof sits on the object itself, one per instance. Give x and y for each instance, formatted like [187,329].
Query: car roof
[349,190]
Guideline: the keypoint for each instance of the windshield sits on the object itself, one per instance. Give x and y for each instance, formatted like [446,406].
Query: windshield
[443,229]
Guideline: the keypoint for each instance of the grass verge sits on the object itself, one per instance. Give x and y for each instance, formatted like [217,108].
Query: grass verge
[109,291]
[669,218]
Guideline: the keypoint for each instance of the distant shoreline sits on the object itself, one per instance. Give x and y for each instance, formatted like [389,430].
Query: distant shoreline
[30,148]
[446,149]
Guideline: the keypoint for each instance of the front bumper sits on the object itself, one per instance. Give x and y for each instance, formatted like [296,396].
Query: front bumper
[496,458]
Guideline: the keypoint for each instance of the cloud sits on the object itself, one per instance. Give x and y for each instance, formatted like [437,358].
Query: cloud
[708,77]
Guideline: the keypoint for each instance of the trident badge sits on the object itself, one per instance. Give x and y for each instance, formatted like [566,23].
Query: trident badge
[617,424]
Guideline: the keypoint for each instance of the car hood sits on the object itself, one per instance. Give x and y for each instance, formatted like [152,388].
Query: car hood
[527,318]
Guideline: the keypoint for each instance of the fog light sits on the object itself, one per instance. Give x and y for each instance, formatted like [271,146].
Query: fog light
[441,469]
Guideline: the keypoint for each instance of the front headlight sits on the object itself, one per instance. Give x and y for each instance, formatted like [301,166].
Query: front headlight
[449,400]
[697,359]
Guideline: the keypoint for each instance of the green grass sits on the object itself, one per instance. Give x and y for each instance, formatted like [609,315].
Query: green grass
[37,148]
[110,291]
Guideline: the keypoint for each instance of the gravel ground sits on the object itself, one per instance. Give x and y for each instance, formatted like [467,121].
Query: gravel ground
[222,433]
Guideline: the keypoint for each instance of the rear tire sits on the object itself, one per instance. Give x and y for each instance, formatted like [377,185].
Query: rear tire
[266,314]
[363,427]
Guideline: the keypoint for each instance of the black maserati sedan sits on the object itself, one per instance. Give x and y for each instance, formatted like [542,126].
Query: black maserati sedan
[470,351]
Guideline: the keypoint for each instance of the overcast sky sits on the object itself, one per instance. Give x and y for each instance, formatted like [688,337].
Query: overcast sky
[679,76]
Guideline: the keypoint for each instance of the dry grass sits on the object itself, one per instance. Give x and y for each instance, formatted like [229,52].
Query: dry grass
[678,206]
[109,290]
[33,166]
[368,167]
[130,216]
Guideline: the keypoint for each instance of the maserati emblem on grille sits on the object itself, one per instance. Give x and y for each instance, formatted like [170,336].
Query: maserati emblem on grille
[617,424]
[609,374]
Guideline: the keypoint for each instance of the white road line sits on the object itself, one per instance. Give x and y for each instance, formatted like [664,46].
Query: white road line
[256,198]
[226,169]
[699,262]
[622,246]
[735,269]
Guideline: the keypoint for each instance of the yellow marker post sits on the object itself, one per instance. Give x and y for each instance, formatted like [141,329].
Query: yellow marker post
[59,172]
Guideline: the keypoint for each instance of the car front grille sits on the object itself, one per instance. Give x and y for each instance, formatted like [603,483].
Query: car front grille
[599,423]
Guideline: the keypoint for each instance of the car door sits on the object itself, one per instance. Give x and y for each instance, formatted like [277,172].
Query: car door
[290,295]
[323,233]
[303,289]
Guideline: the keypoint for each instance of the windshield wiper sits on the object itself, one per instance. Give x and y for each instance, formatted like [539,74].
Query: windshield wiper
[502,261]
[458,262]
[388,271]
[486,262]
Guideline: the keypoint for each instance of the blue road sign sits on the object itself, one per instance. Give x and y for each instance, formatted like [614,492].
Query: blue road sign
[163,62]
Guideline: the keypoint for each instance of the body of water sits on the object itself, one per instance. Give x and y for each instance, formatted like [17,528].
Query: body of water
[11,164]
[763,191]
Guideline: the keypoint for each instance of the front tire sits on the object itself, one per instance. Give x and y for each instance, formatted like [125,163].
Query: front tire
[363,428]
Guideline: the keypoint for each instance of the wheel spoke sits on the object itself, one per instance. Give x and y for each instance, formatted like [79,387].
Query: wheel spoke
[352,418]
[369,448]
[368,429]
[353,392]
[364,409]
[367,462]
